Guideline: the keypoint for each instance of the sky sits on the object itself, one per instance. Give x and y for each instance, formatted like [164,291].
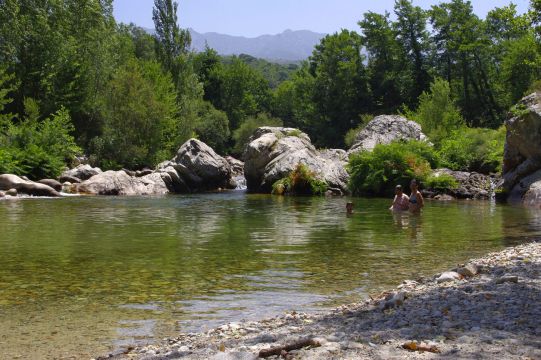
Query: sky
[252,18]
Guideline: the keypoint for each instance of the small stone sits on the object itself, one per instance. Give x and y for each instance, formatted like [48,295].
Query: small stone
[468,270]
[184,349]
[448,276]
[12,192]
[506,278]
[2,194]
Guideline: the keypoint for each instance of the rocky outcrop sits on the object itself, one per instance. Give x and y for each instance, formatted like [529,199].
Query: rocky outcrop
[52,183]
[522,155]
[471,185]
[14,182]
[81,172]
[198,168]
[385,129]
[120,183]
[273,152]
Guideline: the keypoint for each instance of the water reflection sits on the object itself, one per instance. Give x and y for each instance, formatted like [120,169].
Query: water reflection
[107,272]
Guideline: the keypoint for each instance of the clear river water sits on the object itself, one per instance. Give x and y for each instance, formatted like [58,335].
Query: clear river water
[84,276]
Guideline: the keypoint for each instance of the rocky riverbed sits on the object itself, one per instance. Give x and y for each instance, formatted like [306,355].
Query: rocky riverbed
[486,309]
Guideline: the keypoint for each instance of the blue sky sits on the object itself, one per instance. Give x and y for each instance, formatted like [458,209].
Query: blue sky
[256,17]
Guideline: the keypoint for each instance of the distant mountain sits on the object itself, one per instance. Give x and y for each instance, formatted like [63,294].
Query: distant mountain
[289,46]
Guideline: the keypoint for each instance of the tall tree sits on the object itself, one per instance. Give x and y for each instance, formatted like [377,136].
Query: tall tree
[341,90]
[412,34]
[386,63]
[172,42]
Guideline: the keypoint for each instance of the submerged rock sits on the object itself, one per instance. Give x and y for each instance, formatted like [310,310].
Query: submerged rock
[522,155]
[274,152]
[8,182]
[385,129]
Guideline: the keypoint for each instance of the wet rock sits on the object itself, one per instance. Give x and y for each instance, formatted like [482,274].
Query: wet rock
[70,179]
[448,277]
[12,192]
[2,194]
[82,172]
[273,152]
[444,197]
[8,181]
[385,129]
[237,166]
[52,183]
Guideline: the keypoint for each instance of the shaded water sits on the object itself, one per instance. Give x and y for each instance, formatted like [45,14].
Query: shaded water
[85,276]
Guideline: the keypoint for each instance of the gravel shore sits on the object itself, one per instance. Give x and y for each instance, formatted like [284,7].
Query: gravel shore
[489,308]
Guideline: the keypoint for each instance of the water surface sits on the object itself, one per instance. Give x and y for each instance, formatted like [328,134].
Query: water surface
[80,277]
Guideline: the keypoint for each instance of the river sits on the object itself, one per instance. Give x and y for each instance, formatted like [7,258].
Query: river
[84,276]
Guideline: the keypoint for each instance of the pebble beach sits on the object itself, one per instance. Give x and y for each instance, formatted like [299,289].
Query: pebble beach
[488,308]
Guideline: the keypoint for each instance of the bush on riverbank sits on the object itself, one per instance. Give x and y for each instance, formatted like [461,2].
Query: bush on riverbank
[376,173]
[301,181]
[469,149]
[37,148]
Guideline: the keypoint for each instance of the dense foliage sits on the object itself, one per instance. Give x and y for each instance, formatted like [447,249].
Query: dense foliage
[301,181]
[130,99]
[379,171]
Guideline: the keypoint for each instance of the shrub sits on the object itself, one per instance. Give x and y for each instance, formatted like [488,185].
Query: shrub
[212,127]
[378,172]
[470,149]
[301,181]
[37,149]
[441,182]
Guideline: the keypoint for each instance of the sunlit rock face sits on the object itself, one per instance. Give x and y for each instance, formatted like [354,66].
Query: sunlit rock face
[522,155]
[385,129]
[274,152]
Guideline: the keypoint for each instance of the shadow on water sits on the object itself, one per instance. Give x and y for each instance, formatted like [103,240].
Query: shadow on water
[107,272]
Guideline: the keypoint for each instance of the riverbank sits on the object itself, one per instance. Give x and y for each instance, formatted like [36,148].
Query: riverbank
[491,310]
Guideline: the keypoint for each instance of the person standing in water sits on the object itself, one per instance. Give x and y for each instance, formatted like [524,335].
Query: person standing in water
[401,200]
[416,201]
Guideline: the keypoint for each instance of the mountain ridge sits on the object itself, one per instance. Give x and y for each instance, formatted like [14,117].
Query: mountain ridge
[287,46]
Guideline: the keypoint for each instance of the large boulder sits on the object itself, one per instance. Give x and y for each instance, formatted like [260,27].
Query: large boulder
[120,183]
[8,181]
[82,172]
[273,152]
[385,129]
[522,155]
[197,167]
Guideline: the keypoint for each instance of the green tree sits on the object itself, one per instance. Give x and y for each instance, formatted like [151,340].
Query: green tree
[386,62]
[410,27]
[142,125]
[437,113]
[241,91]
[341,91]
[172,42]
